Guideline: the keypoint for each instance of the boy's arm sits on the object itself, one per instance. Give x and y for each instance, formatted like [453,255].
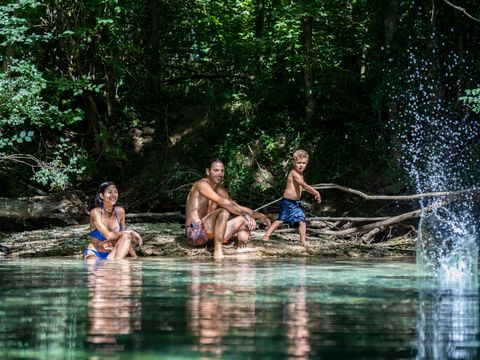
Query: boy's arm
[299,180]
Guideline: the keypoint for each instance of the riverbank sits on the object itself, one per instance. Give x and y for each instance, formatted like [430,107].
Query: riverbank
[166,239]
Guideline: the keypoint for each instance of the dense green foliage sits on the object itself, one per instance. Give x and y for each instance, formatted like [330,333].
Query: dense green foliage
[144,93]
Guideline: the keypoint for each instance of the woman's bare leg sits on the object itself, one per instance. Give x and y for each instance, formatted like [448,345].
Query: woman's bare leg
[132,253]
[122,247]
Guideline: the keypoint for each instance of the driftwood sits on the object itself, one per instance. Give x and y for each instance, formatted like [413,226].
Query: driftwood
[166,216]
[376,225]
[58,209]
[326,186]
[394,197]
[346,227]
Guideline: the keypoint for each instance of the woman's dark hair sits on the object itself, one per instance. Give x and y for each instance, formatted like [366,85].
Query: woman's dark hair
[213,161]
[101,190]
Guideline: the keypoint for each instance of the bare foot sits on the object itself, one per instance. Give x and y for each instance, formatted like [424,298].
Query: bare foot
[132,253]
[241,244]
[265,238]
[303,242]
[218,253]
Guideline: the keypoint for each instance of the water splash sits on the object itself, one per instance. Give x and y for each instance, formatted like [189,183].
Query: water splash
[448,322]
[437,139]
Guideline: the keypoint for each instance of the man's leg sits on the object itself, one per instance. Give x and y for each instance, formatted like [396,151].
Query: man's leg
[220,226]
[215,225]
[238,226]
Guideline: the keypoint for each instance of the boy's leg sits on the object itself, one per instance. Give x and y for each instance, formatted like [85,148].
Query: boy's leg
[271,229]
[302,229]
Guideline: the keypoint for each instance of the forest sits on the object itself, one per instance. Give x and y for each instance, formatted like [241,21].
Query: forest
[144,93]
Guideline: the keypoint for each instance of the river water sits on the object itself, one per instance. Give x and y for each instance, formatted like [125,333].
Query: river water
[156,308]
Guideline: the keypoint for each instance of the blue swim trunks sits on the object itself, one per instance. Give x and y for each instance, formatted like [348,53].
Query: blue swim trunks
[101,255]
[291,211]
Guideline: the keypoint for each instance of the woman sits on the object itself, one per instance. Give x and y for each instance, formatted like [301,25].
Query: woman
[109,238]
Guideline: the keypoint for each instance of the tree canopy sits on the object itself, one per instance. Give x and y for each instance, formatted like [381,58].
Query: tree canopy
[144,93]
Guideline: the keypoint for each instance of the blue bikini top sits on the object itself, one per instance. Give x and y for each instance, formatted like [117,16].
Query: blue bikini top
[98,235]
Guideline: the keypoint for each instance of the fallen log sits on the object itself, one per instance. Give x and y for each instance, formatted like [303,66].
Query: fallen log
[171,216]
[365,228]
[382,225]
[57,209]
[347,218]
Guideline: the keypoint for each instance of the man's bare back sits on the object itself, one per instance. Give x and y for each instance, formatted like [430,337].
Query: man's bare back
[197,204]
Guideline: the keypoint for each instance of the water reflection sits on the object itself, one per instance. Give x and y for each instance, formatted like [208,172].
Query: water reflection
[296,320]
[228,310]
[448,324]
[221,303]
[114,302]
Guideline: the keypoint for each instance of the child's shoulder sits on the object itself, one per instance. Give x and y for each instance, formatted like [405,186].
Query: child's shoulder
[294,172]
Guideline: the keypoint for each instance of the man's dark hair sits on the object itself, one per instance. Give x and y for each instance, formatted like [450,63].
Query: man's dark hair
[214,160]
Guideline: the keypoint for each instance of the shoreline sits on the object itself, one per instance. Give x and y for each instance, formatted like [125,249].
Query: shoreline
[167,240]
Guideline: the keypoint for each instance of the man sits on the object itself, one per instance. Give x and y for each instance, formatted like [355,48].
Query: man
[208,211]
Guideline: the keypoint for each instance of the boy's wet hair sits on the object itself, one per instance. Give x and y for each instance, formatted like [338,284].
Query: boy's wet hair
[300,154]
[213,161]
[101,190]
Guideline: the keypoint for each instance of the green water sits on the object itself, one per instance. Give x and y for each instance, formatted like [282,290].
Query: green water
[184,308]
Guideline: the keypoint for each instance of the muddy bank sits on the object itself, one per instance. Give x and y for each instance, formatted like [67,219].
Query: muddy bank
[167,240]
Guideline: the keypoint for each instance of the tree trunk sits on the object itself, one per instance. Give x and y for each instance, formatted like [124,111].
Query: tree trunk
[308,72]
[259,22]
[390,20]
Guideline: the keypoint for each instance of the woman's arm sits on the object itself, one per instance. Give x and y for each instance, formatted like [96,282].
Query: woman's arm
[96,219]
[121,217]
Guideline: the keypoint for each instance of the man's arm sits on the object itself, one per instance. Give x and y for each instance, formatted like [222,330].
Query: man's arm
[223,201]
[299,180]
[246,212]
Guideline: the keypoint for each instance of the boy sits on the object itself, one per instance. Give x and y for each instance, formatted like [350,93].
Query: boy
[290,208]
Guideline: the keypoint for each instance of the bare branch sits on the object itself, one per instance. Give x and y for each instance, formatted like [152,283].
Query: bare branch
[25,159]
[462,10]
[325,186]
[392,197]
[354,219]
